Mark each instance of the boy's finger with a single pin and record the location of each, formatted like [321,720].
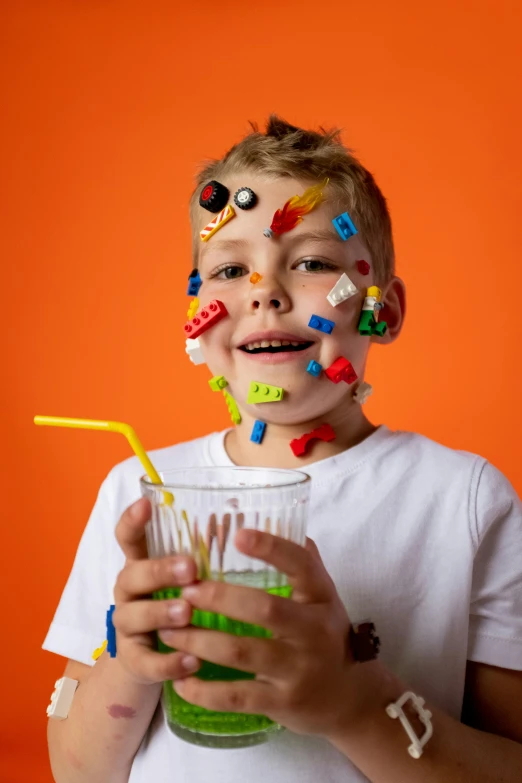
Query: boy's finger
[143,577]
[304,568]
[130,530]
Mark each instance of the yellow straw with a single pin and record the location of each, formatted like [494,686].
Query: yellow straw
[109,426]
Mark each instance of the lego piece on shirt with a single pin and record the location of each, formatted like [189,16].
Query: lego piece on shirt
[214,196]
[300,445]
[314,368]
[344,226]
[219,221]
[263,392]
[255,277]
[207,317]
[61,698]
[232,407]
[111,632]
[342,290]
[193,348]
[363,391]
[99,650]
[195,283]
[321,324]
[341,370]
[218,383]
[258,431]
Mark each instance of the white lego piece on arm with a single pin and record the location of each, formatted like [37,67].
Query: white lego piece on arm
[61,698]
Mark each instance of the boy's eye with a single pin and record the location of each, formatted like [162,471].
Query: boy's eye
[229,272]
[314,265]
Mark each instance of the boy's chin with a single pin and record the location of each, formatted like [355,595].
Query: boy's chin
[291,415]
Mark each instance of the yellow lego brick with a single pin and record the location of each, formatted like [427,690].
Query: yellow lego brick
[218,222]
[96,654]
[263,392]
[193,308]
[232,408]
[218,383]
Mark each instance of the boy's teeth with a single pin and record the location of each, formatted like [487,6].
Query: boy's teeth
[270,344]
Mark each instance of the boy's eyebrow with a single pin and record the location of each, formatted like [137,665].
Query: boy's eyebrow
[319,235]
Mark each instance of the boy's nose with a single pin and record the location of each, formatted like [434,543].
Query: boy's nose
[267,295]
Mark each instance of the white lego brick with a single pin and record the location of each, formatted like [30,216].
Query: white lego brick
[61,698]
[193,348]
[342,290]
[363,392]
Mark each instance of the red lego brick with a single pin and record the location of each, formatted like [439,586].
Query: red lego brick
[300,445]
[208,316]
[341,370]
[363,267]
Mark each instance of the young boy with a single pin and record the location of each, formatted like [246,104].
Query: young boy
[424,541]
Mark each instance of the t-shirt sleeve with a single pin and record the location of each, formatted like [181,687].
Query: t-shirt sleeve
[78,626]
[495,630]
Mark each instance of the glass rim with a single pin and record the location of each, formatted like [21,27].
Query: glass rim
[304,478]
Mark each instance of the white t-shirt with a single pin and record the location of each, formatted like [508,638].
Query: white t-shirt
[424,540]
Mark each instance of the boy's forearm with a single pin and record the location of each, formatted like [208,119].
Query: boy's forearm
[455,753]
[107,721]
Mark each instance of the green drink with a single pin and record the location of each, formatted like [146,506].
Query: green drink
[230,728]
[197,511]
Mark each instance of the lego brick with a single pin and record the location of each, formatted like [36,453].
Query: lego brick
[218,383]
[255,277]
[99,650]
[363,391]
[218,222]
[193,308]
[258,431]
[344,226]
[380,328]
[342,290]
[232,407]
[111,632]
[322,324]
[193,348]
[314,368]
[61,698]
[195,283]
[366,322]
[300,445]
[207,317]
[263,392]
[363,267]
[341,370]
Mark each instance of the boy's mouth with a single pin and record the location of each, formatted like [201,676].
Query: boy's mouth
[275,346]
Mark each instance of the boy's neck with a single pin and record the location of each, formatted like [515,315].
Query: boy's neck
[350,426]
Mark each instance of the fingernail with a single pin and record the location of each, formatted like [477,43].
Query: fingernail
[176,610]
[180,569]
[190,663]
[190,592]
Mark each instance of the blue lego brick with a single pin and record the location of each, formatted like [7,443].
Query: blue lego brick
[111,633]
[344,226]
[195,282]
[314,368]
[258,431]
[322,324]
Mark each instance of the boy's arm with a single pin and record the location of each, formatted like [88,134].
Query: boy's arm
[111,713]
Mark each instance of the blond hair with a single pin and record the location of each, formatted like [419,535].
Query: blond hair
[287,151]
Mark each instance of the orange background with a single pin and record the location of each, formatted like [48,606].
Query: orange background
[107,109]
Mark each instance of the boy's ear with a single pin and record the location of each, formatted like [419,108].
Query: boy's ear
[393,312]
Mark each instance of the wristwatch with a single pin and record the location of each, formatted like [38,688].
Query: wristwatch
[363,641]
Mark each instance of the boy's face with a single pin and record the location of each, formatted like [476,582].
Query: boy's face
[298,270]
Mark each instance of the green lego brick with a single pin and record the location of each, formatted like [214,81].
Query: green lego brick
[263,392]
[380,328]
[218,383]
[232,408]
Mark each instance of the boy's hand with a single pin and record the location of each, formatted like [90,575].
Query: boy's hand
[305,671]
[136,615]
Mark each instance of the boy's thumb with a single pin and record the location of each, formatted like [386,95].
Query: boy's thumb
[130,530]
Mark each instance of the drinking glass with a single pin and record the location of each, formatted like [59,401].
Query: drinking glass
[197,511]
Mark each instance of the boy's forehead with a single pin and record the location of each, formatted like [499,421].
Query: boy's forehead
[272,193]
